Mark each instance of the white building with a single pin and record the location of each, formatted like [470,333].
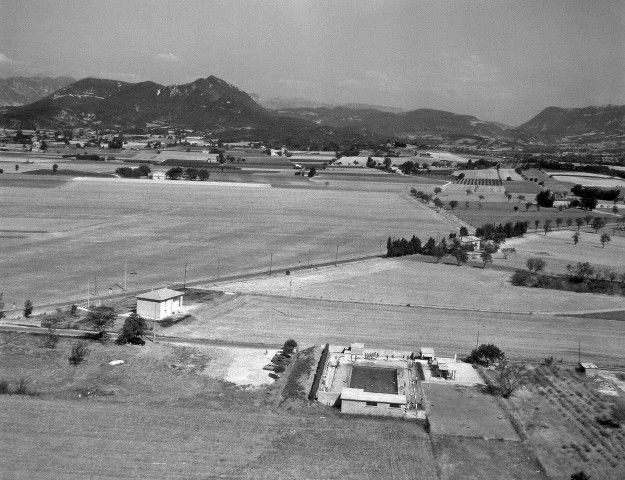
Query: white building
[159,304]
[357,401]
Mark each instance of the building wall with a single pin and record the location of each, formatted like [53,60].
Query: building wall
[361,408]
[148,309]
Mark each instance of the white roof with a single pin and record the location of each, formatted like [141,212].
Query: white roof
[587,365]
[357,345]
[469,238]
[359,395]
[161,294]
[427,351]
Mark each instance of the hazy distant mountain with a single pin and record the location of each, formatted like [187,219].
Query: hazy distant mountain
[208,104]
[589,123]
[22,90]
[409,125]
[287,103]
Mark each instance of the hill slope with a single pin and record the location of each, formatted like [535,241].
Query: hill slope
[23,90]
[589,123]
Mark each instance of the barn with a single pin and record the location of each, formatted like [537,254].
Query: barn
[159,304]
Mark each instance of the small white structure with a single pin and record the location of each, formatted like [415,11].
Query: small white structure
[427,353]
[470,240]
[357,401]
[159,304]
[357,350]
[589,369]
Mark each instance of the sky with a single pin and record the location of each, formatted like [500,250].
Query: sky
[498,60]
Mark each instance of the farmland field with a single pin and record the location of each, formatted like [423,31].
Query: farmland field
[592,181]
[150,420]
[558,411]
[93,227]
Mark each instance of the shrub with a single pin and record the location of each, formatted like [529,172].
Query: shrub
[80,350]
[279,369]
[73,309]
[28,308]
[522,278]
[50,339]
[4,387]
[289,346]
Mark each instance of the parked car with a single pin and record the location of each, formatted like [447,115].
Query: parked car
[275,376]
[270,366]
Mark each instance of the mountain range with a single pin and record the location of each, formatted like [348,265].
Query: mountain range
[22,90]
[216,107]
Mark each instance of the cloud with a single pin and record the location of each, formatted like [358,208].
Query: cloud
[296,84]
[350,83]
[167,57]
[475,69]
[5,59]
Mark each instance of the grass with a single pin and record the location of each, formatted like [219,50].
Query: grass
[68,173]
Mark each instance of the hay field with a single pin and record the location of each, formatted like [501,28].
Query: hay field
[268,320]
[92,228]
[592,181]
[558,249]
[401,281]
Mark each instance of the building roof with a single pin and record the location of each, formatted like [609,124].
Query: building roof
[359,395]
[427,351]
[469,238]
[160,295]
[587,365]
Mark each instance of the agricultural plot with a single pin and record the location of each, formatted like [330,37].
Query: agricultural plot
[215,228]
[592,181]
[498,211]
[558,410]
[558,250]
[383,281]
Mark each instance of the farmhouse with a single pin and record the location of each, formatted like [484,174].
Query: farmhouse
[427,353]
[470,240]
[588,369]
[159,304]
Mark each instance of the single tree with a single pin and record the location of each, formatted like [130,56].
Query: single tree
[28,308]
[536,223]
[598,223]
[605,238]
[569,222]
[134,327]
[437,190]
[192,173]
[459,252]
[463,231]
[55,167]
[579,222]
[312,172]
[614,209]
[547,226]
[516,209]
[535,265]
[486,257]
[559,221]
[527,205]
[17,167]
[453,204]
[575,238]
[587,219]
[509,197]
[203,174]
[466,205]
[486,354]
[469,191]
[438,203]
[481,197]
[80,350]
[174,173]
[438,252]
[102,319]
[509,377]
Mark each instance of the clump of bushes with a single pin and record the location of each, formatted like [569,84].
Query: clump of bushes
[19,388]
[289,346]
[486,354]
[134,327]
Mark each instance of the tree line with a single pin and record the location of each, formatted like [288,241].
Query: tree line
[499,233]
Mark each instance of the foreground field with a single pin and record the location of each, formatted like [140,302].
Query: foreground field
[150,420]
[158,228]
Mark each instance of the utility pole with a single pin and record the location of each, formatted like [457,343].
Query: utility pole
[95,288]
[88,292]
[184,283]
[309,257]
[125,273]
[478,340]
[290,285]
[336,259]
[154,330]
[380,246]
[217,269]
[270,263]
[579,351]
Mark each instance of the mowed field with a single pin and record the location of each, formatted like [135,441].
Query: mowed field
[55,240]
